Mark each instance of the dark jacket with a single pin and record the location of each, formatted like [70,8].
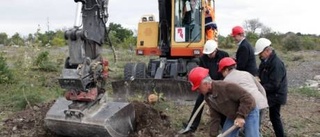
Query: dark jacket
[230,100]
[213,64]
[246,60]
[273,76]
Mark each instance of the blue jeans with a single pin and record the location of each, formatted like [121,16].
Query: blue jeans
[251,127]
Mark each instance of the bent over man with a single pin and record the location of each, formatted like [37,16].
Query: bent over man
[228,99]
[210,60]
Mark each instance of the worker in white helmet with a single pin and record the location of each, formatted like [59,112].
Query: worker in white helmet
[273,76]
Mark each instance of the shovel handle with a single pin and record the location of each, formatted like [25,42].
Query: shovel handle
[195,114]
[228,131]
[192,118]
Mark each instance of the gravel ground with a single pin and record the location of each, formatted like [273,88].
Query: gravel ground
[304,68]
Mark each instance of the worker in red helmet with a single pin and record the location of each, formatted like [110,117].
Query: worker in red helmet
[245,57]
[227,67]
[228,99]
[209,60]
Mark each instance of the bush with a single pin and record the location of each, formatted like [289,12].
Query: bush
[226,43]
[25,96]
[42,62]
[292,42]
[6,75]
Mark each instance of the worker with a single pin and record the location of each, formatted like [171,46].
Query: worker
[210,59]
[245,57]
[210,24]
[273,75]
[229,99]
[227,67]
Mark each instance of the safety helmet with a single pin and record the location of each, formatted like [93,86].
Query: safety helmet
[261,44]
[196,75]
[226,62]
[210,46]
[237,30]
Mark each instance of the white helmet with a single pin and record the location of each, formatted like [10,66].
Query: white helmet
[210,46]
[261,44]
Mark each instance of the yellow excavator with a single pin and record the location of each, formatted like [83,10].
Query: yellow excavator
[177,40]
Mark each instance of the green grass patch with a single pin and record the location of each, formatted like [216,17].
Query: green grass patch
[306,91]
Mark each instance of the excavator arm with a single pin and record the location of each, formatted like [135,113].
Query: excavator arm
[83,111]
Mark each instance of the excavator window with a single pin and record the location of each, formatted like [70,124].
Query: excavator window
[187,20]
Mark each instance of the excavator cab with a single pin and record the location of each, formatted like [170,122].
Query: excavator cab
[177,39]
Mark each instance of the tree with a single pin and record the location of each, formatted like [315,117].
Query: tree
[58,39]
[252,25]
[120,32]
[265,30]
[17,40]
[3,38]
[252,37]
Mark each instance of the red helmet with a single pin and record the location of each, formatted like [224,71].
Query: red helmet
[226,62]
[196,75]
[237,30]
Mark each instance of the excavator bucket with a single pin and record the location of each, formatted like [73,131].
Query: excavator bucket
[104,119]
[175,90]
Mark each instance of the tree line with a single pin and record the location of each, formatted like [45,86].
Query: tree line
[118,35]
[121,37]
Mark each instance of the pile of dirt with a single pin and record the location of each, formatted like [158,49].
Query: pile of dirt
[150,122]
[28,123]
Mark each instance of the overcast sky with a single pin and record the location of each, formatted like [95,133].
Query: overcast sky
[24,16]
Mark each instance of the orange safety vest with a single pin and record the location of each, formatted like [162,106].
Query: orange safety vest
[210,13]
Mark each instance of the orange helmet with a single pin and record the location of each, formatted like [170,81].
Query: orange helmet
[237,30]
[226,62]
[196,75]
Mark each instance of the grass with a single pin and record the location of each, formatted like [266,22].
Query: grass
[306,91]
[31,86]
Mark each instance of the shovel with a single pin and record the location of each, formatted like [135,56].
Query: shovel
[227,132]
[182,131]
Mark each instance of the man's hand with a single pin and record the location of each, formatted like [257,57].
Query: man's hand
[257,78]
[239,122]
